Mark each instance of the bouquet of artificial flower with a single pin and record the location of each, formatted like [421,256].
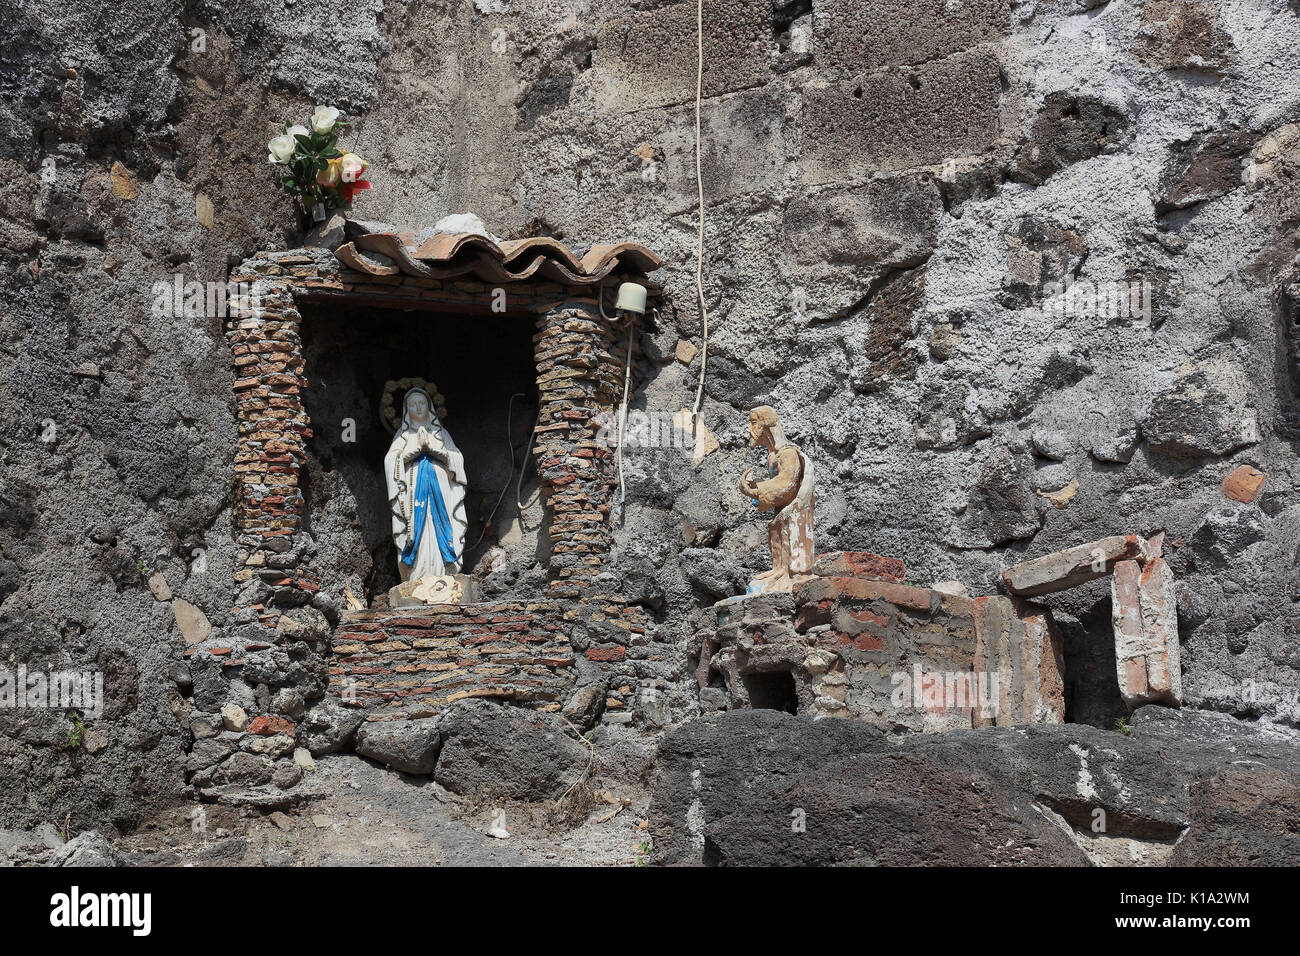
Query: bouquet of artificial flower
[318,176]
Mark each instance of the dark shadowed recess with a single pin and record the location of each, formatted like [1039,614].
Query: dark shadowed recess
[476,362]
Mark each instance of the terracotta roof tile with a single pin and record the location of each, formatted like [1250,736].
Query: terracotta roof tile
[381,250]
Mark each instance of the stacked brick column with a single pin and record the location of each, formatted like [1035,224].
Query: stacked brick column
[254,678]
[1144,613]
[580,368]
[273,432]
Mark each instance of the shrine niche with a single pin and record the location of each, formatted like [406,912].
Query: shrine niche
[430,298]
[361,364]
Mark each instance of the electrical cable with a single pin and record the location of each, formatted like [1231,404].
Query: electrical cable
[622,416]
[506,487]
[630,321]
[699,185]
[519,486]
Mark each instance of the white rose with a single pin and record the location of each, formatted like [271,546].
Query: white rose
[323,120]
[281,149]
[298,131]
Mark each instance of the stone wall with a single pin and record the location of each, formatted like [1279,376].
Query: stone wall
[992,154]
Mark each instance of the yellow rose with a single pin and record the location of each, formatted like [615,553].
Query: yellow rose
[329,176]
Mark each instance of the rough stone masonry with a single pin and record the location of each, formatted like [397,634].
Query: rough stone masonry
[1017,276]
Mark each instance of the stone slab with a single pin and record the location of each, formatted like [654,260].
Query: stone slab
[642,60]
[896,120]
[402,594]
[852,36]
[1071,567]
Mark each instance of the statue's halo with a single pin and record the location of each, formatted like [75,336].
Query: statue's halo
[389,407]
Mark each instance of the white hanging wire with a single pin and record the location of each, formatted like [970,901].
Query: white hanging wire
[627,389]
[622,415]
[699,239]
[506,487]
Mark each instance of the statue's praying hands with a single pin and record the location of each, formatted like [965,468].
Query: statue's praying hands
[425,443]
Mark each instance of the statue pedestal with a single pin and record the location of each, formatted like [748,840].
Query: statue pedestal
[776,584]
[433,590]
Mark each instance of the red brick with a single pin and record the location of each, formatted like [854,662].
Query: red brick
[1020,643]
[867,589]
[1071,567]
[858,564]
[864,616]
[269,726]
[1144,614]
[1243,484]
[863,642]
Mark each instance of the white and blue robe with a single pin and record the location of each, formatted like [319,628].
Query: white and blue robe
[425,474]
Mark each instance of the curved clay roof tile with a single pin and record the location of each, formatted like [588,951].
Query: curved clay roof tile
[544,246]
[442,255]
[629,254]
[391,245]
[446,245]
[375,265]
[490,269]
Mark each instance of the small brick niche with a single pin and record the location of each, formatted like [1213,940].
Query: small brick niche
[855,641]
[399,662]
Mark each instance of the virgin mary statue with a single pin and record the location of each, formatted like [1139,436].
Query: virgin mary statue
[425,473]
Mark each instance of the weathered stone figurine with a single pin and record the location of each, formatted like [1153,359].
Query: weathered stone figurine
[789,489]
[425,475]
